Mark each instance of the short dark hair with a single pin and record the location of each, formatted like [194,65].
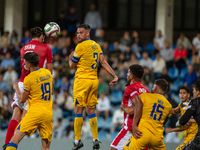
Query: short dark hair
[85,26]
[36,32]
[162,83]
[185,88]
[196,85]
[137,70]
[32,57]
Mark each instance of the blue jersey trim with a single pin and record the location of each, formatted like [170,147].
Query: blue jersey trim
[92,116]
[87,39]
[78,115]
[36,69]
[26,90]
[18,128]
[101,53]
[75,59]
[77,101]
[12,145]
[160,94]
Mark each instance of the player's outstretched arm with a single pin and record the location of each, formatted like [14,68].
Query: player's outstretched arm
[107,67]
[175,111]
[137,115]
[71,63]
[127,109]
[183,128]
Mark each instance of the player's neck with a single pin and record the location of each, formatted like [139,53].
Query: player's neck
[33,69]
[37,39]
[185,100]
[133,81]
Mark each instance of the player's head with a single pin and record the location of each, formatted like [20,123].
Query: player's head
[160,86]
[31,59]
[196,89]
[83,32]
[184,93]
[37,33]
[135,73]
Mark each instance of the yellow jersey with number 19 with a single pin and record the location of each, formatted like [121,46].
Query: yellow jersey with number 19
[39,84]
[86,56]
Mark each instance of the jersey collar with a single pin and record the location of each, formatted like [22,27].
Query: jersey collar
[36,69]
[35,41]
[160,94]
[182,102]
[87,39]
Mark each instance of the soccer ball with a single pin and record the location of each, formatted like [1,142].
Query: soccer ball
[52,29]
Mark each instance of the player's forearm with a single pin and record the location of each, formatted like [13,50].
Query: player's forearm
[175,111]
[127,109]
[19,94]
[71,64]
[137,114]
[180,129]
[191,121]
[50,67]
[107,67]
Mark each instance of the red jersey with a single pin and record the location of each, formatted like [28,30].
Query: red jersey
[130,91]
[43,50]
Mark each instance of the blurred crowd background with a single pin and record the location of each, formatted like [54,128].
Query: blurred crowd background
[178,63]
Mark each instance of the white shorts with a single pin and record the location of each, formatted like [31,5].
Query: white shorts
[121,139]
[16,99]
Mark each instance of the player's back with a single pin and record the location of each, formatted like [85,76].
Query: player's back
[87,53]
[39,84]
[156,108]
[43,50]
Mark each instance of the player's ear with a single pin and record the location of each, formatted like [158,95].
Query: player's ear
[188,95]
[198,93]
[154,88]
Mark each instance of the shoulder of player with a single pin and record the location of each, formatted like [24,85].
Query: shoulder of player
[29,76]
[195,101]
[47,71]
[44,45]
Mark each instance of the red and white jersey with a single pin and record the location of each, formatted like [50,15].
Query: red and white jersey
[131,90]
[43,50]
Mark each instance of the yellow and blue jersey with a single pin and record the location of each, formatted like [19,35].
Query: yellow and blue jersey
[193,127]
[86,56]
[156,108]
[39,84]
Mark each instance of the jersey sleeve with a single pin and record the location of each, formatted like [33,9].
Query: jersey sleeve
[26,84]
[49,55]
[170,109]
[77,54]
[100,50]
[189,112]
[132,95]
